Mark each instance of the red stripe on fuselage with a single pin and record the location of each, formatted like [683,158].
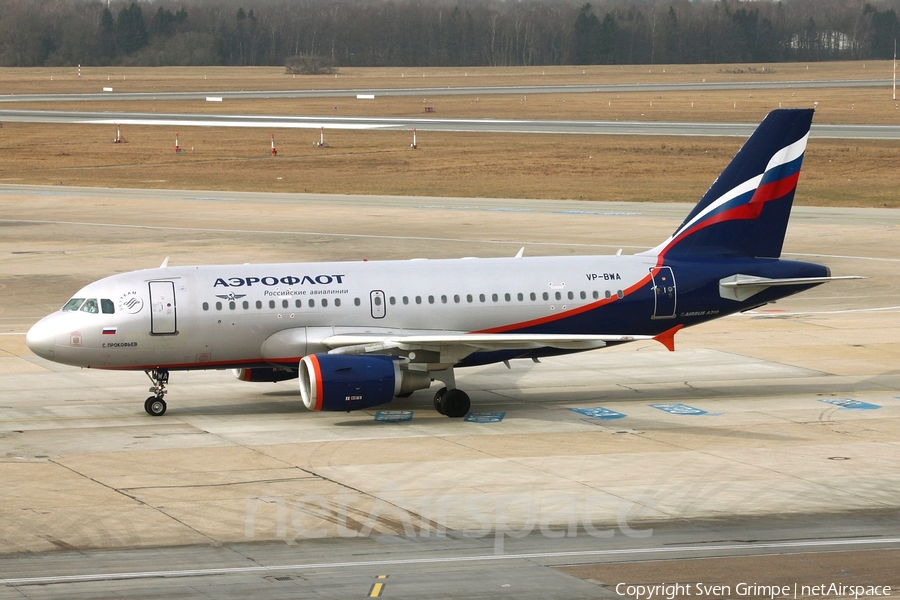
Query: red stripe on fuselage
[563,315]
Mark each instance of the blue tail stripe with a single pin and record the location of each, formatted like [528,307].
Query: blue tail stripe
[757,230]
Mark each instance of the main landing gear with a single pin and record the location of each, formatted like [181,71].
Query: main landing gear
[155,405]
[452,403]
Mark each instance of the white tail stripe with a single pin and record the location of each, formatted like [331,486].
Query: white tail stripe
[785,155]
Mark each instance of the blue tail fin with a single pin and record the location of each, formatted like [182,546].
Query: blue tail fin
[745,212]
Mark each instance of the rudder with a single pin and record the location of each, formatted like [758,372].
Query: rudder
[746,210]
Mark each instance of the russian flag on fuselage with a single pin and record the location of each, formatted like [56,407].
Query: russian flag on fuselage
[746,210]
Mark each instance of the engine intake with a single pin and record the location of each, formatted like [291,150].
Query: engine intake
[340,382]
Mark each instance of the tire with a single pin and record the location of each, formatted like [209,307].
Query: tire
[437,399]
[155,407]
[455,404]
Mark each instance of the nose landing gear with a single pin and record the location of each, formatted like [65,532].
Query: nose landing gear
[155,405]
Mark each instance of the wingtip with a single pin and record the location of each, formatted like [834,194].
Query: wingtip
[667,337]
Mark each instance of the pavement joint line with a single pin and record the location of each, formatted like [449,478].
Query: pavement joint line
[22,581]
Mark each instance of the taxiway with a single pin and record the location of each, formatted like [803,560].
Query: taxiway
[791,446]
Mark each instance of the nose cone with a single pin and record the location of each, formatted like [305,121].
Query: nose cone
[41,339]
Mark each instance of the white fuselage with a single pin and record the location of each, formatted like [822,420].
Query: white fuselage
[221,316]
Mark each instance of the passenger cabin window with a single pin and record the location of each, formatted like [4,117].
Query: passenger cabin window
[206,306]
[337,301]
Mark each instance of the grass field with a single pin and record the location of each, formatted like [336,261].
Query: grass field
[141,79]
[851,173]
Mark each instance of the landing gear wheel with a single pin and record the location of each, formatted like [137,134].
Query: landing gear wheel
[437,399]
[455,404]
[155,407]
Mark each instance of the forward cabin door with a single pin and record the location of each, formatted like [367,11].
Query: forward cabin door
[162,308]
[665,294]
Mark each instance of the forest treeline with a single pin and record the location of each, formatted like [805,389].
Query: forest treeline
[420,33]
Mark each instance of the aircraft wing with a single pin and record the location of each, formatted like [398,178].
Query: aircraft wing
[450,348]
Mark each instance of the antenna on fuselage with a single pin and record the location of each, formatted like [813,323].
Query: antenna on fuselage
[521,252]
[165,263]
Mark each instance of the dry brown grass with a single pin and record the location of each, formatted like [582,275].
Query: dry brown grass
[141,79]
[858,173]
[446,164]
[835,105]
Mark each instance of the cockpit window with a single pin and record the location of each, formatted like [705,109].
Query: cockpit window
[90,306]
[73,304]
[107,307]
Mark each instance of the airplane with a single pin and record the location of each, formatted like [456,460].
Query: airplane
[358,334]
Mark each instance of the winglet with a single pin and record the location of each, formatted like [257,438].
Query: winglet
[667,338]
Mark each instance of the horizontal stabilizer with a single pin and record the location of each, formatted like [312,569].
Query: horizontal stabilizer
[741,287]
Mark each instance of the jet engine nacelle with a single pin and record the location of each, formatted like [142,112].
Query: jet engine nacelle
[264,375]
[340,382]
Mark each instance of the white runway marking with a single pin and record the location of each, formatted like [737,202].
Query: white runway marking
[392,237]
[809,544]
[225,123]
[317,233]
